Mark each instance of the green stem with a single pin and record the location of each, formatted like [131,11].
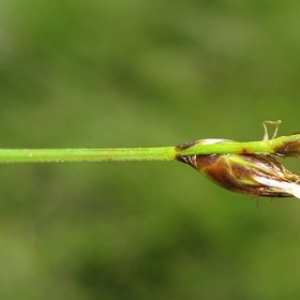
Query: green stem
[278,145]
[228,146]
[86,155]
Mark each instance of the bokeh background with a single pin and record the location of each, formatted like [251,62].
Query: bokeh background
[144,73]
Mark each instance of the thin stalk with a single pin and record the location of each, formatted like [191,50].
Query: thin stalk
[276,145]
[86,155]
[284,145]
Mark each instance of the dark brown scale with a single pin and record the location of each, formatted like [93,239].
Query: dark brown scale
[289,149]
[184,146]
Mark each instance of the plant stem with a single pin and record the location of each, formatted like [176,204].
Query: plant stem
[266,146]
[86,155]
[284,145]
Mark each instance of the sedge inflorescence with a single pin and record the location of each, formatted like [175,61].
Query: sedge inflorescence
[249,173]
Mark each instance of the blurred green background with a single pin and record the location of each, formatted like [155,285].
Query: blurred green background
[144,73]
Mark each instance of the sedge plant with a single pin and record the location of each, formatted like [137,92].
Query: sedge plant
[243,167]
